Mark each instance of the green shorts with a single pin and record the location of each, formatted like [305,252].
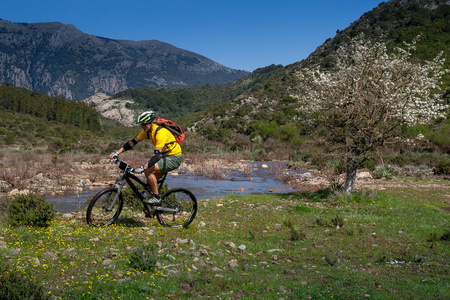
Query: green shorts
[172,163]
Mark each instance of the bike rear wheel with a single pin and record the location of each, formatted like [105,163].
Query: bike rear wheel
[105,207]
[183,206]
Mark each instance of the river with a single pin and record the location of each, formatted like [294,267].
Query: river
[260,181]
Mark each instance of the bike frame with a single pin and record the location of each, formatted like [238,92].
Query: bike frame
[128,178]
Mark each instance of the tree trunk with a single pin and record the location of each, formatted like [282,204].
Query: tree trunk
[352,167]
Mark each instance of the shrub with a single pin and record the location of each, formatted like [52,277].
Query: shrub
[132,201]
[332,258]
[399,160]
[9,139]
[143,258]
[30,210]
[443,167]
[387,172]
[13,285]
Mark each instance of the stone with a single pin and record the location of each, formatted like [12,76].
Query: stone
[233,263]
[364,174]
[107,262]
[14,251]
[49,255]
[289,272]
[94,240]
[274,250]
[201,224]
[180,241]
[35,261]
[14,192]
[231,245]
[242,248]
[264,166]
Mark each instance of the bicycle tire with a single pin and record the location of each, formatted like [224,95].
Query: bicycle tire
[97,214]
[182,199]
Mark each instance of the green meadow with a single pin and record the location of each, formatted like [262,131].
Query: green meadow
[389,244]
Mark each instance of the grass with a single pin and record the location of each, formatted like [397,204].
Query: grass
[389,244]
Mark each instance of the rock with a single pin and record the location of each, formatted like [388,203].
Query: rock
[70,250]
[2,247]
[49,255]
[277,226]
[306,174]
[264,166]
[35,261]
[361,175]
[231,245]
[215,269]
[274,250]
[94,240]
[233,263]
[2,243]
[201,224]
[242,248]
[14,192]
[107,262]
[14,251]
[67,216]
[219,205]
[289,272]
[180,241]
[241,189]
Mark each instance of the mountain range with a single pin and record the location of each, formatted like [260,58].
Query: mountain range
[60,60]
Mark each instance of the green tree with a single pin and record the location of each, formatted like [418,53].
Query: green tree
[370,95]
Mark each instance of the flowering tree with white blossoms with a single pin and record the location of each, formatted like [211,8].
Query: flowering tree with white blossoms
[369,95]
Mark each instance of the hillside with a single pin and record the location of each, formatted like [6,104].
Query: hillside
[34,120]
[174,103]
[268,117]
[59,59]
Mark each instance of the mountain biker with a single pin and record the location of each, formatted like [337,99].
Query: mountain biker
[167,155]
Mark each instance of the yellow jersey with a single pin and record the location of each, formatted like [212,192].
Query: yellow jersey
[161,138]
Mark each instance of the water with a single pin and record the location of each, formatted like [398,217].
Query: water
[235,183]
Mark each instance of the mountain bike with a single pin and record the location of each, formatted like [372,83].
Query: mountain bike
[177,208]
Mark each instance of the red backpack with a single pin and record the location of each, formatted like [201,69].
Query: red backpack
[172,127]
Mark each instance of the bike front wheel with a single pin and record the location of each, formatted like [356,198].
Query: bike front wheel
[178,208]
[105,207]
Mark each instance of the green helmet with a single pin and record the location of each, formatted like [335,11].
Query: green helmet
[146,117]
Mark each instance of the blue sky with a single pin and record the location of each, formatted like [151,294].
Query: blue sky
[240,34]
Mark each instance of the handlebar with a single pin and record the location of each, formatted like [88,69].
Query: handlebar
[122,165]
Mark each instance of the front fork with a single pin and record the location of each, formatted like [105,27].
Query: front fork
[119,184]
